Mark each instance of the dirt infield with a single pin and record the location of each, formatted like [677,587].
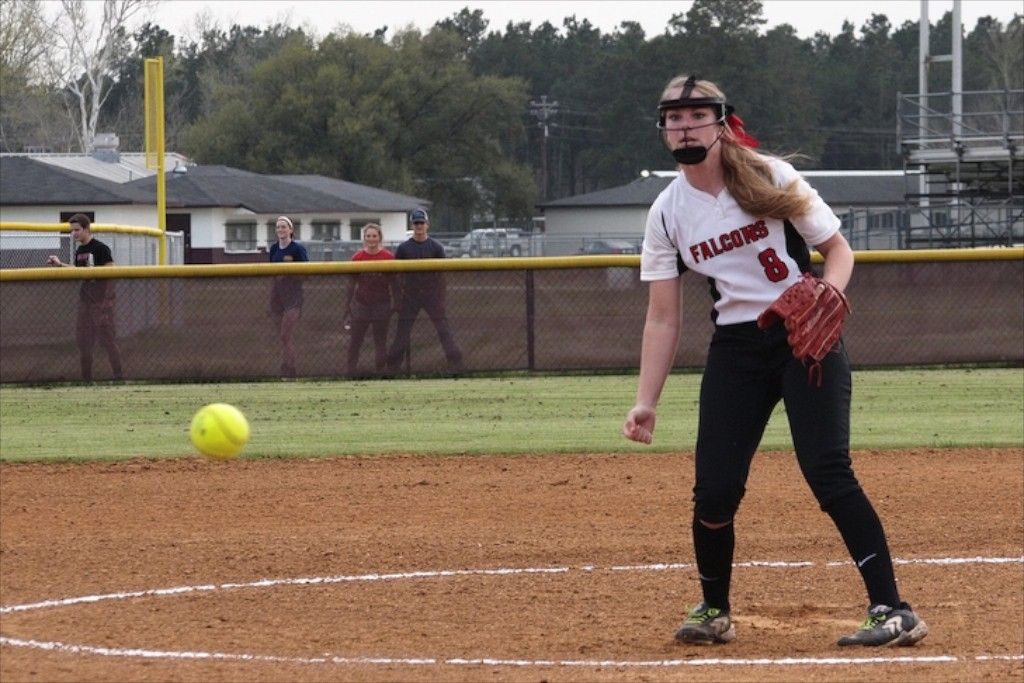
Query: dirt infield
[527,568]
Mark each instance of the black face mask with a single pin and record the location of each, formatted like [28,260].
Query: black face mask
[689,156]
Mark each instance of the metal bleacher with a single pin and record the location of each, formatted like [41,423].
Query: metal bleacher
[964,160]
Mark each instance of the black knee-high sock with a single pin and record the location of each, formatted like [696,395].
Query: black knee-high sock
[864,536]
[714,549]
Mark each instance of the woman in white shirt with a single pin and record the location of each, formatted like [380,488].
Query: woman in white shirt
[745,220]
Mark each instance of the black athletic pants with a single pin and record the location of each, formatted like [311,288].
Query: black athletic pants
[748,372]
[408,310]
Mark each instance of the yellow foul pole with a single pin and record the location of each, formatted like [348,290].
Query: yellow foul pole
[154,106]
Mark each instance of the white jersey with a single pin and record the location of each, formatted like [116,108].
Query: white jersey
[750,261]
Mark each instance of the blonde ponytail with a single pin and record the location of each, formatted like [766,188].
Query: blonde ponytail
[748,177]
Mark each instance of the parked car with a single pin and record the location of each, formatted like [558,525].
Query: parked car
[492,242]
[610,247]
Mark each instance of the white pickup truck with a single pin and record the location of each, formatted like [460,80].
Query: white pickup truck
[492,242]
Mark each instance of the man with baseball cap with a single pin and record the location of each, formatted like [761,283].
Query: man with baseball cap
[422,290]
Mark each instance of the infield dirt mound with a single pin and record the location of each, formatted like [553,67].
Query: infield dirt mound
[90,529]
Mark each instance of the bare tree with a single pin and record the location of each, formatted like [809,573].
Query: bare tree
[23,30]
[30,115]
[84,56]
[1005,53]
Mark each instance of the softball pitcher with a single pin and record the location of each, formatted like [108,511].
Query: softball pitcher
[744,220]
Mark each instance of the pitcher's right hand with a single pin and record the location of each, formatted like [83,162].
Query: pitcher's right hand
[639,425]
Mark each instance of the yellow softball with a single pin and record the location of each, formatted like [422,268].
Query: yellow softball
[220,431]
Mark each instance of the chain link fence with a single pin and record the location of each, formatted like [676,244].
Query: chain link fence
[487,244]
[24,249]
[213,322]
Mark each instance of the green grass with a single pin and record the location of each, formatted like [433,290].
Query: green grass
[579,414]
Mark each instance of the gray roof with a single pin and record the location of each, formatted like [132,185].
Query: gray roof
[640,192]
[860,189]
[223,186]
[27,182]
[370,198]
[129,165]
[206,186]
[841,188]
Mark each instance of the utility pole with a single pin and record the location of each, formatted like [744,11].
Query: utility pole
[543,110]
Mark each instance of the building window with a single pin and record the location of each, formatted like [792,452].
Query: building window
[240,236]
[272,231]
[65,216]
[848,221]
[357,225]
[882,220]
[326,230]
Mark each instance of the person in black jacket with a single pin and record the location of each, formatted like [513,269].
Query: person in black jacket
[422,290]
[95,298]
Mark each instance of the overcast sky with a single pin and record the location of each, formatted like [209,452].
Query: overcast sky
[807,16]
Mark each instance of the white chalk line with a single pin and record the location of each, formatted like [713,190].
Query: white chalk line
[448,573]
[461,661]
[266,583]
[489,661]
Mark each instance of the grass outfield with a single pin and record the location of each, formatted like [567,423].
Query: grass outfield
[891,409]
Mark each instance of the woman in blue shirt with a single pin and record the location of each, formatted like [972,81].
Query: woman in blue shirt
[286,293]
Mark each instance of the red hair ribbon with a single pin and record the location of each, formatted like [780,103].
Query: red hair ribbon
[742,136]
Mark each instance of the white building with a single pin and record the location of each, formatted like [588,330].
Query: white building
[226,214]
[869,203]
